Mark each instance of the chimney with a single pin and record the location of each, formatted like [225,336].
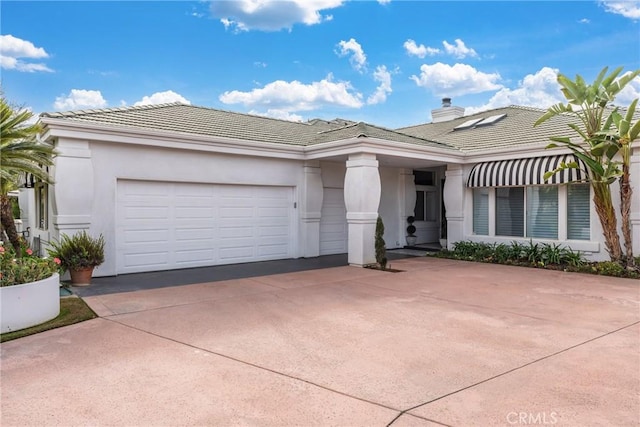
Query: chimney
[447,112]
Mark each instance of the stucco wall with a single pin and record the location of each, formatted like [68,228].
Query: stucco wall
[111,162]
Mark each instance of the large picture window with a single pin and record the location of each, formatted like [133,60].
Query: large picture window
[533,211]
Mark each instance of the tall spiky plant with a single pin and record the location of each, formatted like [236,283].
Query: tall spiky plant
[20,152]
[591,104]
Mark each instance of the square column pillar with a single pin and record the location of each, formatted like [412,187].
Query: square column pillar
[362,198]
[311,204]
[453,195]
[73,189]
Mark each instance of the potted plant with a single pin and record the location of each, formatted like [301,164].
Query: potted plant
[29,288]
[79,254]
[411,238]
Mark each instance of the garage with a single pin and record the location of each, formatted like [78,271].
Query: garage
[334,230]
[171,225]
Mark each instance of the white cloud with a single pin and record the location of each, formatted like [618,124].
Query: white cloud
[584,21]
[297,96]
[271,15]
[459,50]
[459,79]
[421,50]
[384,1]
[79,99]
[13,48]
[539,90]
[628,9]
[358,59]
[278,114]
[165,97]
[630,92]
[382,76]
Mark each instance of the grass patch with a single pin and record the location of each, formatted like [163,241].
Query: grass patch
[72,310]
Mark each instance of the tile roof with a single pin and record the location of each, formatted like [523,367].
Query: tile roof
[188,119]
[515,129]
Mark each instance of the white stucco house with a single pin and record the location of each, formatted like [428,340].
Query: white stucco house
[175,186]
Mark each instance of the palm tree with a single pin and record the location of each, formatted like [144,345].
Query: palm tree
[20,152]
[591,104]
[626,132]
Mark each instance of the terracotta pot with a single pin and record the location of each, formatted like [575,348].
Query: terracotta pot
[81,277]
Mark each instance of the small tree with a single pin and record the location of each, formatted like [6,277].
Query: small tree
[20,152]
[599,128]
[381,250]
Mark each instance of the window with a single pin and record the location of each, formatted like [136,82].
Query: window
[534,211]
[42,205]
[481,211]
[578,212]
[426,205]
[424,177]
[510,211]
[542,212]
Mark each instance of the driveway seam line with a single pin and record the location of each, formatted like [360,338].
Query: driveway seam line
[256,366]
[517,368]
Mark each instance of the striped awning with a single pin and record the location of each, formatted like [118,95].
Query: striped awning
[520,172]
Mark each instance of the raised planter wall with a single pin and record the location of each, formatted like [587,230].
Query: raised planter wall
[29,304]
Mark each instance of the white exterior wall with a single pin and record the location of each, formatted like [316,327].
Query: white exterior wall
[109,162]
[390,209]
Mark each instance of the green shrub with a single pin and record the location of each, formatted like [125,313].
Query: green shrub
[381,250]
[609,268]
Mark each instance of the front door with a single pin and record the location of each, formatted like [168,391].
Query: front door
[427,214]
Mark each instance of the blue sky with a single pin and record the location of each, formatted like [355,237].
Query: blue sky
[384,62]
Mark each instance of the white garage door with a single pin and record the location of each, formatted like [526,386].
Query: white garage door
[163,225]
[334,231]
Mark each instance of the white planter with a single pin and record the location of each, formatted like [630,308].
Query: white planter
[29,304]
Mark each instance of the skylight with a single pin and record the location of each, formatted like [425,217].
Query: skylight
[467,124]
[491,120]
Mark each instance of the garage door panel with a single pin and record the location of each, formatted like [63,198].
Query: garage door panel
[237,254]
[267,252]
[157,259]
[236,212]
[145,236]
[195,234]
[194,256]
[163,225]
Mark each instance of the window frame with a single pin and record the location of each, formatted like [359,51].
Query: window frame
[562,213]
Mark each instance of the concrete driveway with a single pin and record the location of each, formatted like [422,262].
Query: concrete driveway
[442,343]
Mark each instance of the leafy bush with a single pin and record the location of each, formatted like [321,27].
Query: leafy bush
[381,250]
[26,268]
[536,255]
[78,251]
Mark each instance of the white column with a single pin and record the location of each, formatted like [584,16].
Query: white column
[407,201]
[635,201]
[311,205]
[362,198]
[73,188]
[454,191]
